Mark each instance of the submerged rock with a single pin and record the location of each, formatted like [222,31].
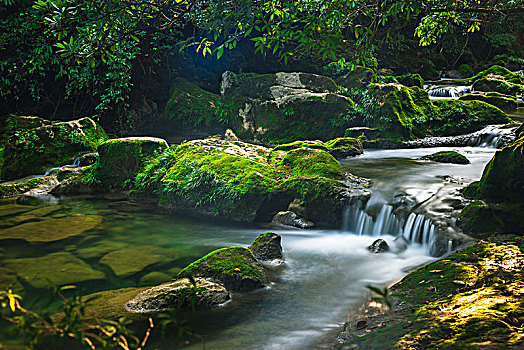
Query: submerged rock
[52,229]
[153,278]
[60,268]
[447,157]
[8,280]
[129,261]
[33,151]
[179,294]
[235,267]
[267,246]
[379,246]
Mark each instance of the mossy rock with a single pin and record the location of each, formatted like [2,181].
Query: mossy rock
[362,131]
[447,157]
[121,159]
[33,151]
[492,84]
[519,132]
[284,107]
[193,111]
[504,102]
[478,217]
[17,124]
[235,267]
[51,229]
[130,261]
[60,268]
[245,182]
[411,80]
[401,106]
[358,78]
[267,246]
[301,144]
[502,179]
[344,147]
[458,117]
[497,71]
[180,294]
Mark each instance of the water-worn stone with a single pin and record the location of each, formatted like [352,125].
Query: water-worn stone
[30,186]
[235,267]
[267,246]
[379,246]
[52,229]
[60,268]
[447,157]
[179,294]
[289,218]
[129,261]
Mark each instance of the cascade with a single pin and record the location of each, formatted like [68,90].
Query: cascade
[75,164]
[439,91]
[415,229]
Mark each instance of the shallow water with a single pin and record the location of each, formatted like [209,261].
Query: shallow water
[324,278]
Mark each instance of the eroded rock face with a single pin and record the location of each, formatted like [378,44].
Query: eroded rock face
[33,151]
[179,294]
[284,107]
[234,267]
[267,246]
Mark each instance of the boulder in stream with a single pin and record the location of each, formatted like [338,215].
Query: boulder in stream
[379,246]
[447,157]
[235,267]
[267,246]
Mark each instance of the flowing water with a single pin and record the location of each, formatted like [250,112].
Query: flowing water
[122,244]
[446,92]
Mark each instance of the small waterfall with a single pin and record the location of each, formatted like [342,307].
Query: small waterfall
[442,91]
[491,136]
[75,164]
[415,229]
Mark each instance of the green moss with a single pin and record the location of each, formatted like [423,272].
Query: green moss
[235,267]
[447,157]
[489,84]
[301,144]
[411,80]
[121,159]
[479,217]
[34,151]
[504,102]
[18,188]
[496,70]
[237,180]
[344,147]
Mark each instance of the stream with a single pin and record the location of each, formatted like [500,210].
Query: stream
[322,283]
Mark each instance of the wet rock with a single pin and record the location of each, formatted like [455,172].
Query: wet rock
[267,246]
[344,147]
[153,278]
[52,229]
[179,294]
[289,218]
[447,157]
[98,249]
[299,207]
[235,267]
[109,304]
[400,244]
[378,246]
[129,261]
[60,268]
[31,186]
[87,159]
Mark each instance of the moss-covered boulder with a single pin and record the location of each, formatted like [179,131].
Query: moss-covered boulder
[478,218]
[344,147]
[235,267]
[400,106]
[411,80]
[497,71]
[341,147]
[267,246]
[33,151]
[457,117]
[503,178]
[193,111]
[465,69]
[17,124]
[504,102]
[60,268]
[40,184]
[447,157]
[284,107]
[494,84]
[246,182]
[181,294]
[121,159]
[358,78]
